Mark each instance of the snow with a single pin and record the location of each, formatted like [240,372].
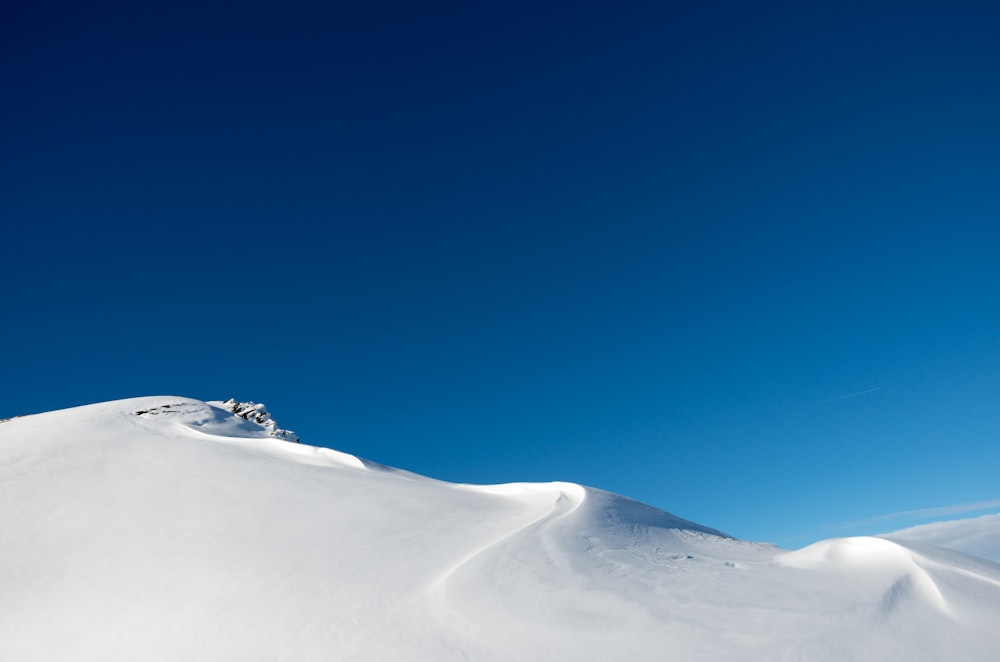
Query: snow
[979,536]
[199,535]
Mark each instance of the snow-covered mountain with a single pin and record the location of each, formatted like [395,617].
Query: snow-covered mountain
[166,528]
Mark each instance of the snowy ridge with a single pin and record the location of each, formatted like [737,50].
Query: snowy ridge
[258,413]
[220,416]
[165,528]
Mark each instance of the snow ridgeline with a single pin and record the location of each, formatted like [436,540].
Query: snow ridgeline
[257,412]
[167,528]
[201,415]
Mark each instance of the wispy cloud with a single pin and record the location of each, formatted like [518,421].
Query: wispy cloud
[929,513]
[851,395]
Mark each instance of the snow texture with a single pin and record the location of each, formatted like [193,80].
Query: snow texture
[169,529]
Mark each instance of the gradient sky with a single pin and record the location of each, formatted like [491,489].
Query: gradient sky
[736,260]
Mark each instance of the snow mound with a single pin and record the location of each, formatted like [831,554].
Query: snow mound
[168,528]
[880,562]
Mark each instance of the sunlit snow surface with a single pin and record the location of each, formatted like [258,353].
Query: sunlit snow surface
[196,535]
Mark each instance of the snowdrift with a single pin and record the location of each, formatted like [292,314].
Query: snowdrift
[166,528]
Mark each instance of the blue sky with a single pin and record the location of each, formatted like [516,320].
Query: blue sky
[737,261]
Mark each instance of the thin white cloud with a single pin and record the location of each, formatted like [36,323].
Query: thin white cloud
[975,535]
[851,395]
[928,513]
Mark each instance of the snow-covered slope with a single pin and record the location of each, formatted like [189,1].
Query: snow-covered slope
[129,533]
[971,535]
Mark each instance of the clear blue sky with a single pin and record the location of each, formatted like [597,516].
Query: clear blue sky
[736,260]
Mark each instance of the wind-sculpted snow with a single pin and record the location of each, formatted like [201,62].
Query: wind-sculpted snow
[167,528]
